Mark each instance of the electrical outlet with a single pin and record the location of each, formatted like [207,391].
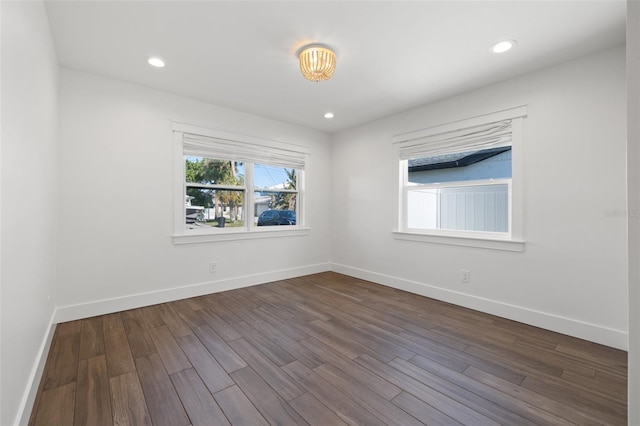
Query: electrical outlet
[212,267]
[465,276]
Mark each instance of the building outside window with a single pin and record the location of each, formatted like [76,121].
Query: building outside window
[465,191]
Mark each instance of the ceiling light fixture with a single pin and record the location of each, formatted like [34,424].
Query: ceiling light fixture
[328,115]
[503,46]
[317,62]
[156,62]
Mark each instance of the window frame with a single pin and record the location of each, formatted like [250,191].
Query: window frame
[181,235]
[513,240]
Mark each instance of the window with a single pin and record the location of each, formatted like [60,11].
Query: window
[462,181]
[215,193]
[235,187]
[275,195]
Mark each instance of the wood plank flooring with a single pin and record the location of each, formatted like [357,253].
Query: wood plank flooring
[324,349]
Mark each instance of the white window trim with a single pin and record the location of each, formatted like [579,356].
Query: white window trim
[490,241]
[510,241]
[233,235]
[183,236]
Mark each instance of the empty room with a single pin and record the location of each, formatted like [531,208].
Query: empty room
[319,213]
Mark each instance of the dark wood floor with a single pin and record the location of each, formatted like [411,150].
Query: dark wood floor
[324,349]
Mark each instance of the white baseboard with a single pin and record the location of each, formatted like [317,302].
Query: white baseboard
[583,330]
[592,332]
[107,306]
[29,397]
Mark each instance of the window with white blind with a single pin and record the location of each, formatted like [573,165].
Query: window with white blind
[231,186]
[460,182]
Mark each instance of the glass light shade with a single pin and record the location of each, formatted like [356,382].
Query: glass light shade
[317,63]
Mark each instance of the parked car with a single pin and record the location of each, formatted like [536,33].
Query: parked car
[277,217]
[193,213]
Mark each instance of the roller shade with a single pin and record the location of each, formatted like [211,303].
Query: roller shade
[475,138]
[224,149]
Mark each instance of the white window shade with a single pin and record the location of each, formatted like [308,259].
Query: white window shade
[478,133]
[475,138]
[210,147]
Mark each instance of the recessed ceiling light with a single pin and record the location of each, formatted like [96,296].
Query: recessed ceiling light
[156,62]
[328,115]
[503,46]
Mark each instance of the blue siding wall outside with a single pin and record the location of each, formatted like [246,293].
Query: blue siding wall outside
[496,167]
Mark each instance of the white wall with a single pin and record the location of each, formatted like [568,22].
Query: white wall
[116,201]
[29,117]
[572,276]
[633,188]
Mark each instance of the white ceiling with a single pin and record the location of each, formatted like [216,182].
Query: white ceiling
[392,55]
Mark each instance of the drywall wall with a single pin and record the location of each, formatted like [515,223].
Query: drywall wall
[572,275]
[29,201]
[117,201]
[633,189]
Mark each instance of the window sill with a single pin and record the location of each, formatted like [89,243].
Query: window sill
[465,241]
[207,237]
